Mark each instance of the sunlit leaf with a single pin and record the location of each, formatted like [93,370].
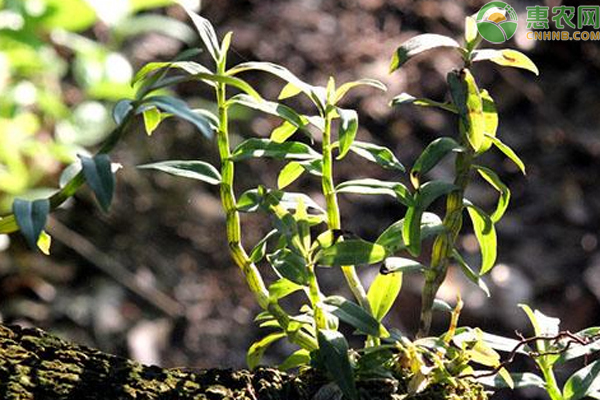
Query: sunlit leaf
[485,232]
[369,186]
[180,109]
[347,130]
[193,169]
[411,230]
[520,380]
[346,87]
[493,179]
[405,98]
[583,382]
[207,34]
[508,152]
[289,90]
[152,118]
[399,265]
[383,293]
[471,33]
[44,242]
[272,108]
[294,360]
[292,171]
[490,119]
[256,148]
[31,218]
[467,99]
[191,67]
[282,288]
[283,132]
[419,44]
[258,348]
[351,252]
[100,178]
[378,154]
[506,58]
[392,239]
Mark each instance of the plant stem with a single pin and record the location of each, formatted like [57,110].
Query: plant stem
[234,236]
[551,385]
[333,213]
[445,241]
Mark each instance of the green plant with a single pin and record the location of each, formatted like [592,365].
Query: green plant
[306,235]
[59,84]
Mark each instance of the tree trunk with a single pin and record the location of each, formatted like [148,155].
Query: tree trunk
[37,365]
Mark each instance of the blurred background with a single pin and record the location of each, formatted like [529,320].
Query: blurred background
[153,280]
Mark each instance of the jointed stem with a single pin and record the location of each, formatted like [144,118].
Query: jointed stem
[445,241]
[333,214]
[239,255]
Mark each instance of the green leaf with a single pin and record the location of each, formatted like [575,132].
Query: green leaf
[485,232]
[282,288]
[191,67]
[471,33]
[207,34]
[260,249]
[290,266]
[378,154]
[392,239]
[576,350]
[506,58]
[351,252]
[59,14]
[31,218]
[490,119]
[508,152]
[493,179]
[120,111]
[297,359]
[520,380]
[343,89]
[411,230]
[251,200]
[283,132]
[256,148]
[431,191]
[419,44]
[400,265]
[467,99]
[289,174]
[289,90]
[152,118]
[334,349]
[231,81]
[431,156]
[283,73]
[370,186]
[347,130]
[383,293]
[44,242]
[354,315]
[405,98]
[258,348]
[192,169]
[100,178]
[180,109]
[583,382]
[469,273]
[272,108]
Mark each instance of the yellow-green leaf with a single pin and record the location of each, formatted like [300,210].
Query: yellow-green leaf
[383,293]
[506,58]
[44,242]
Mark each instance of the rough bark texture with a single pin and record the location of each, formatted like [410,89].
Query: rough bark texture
[37,365]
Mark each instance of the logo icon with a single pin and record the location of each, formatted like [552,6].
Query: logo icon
[497,22]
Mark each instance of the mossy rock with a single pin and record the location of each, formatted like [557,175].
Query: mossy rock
[40,366]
